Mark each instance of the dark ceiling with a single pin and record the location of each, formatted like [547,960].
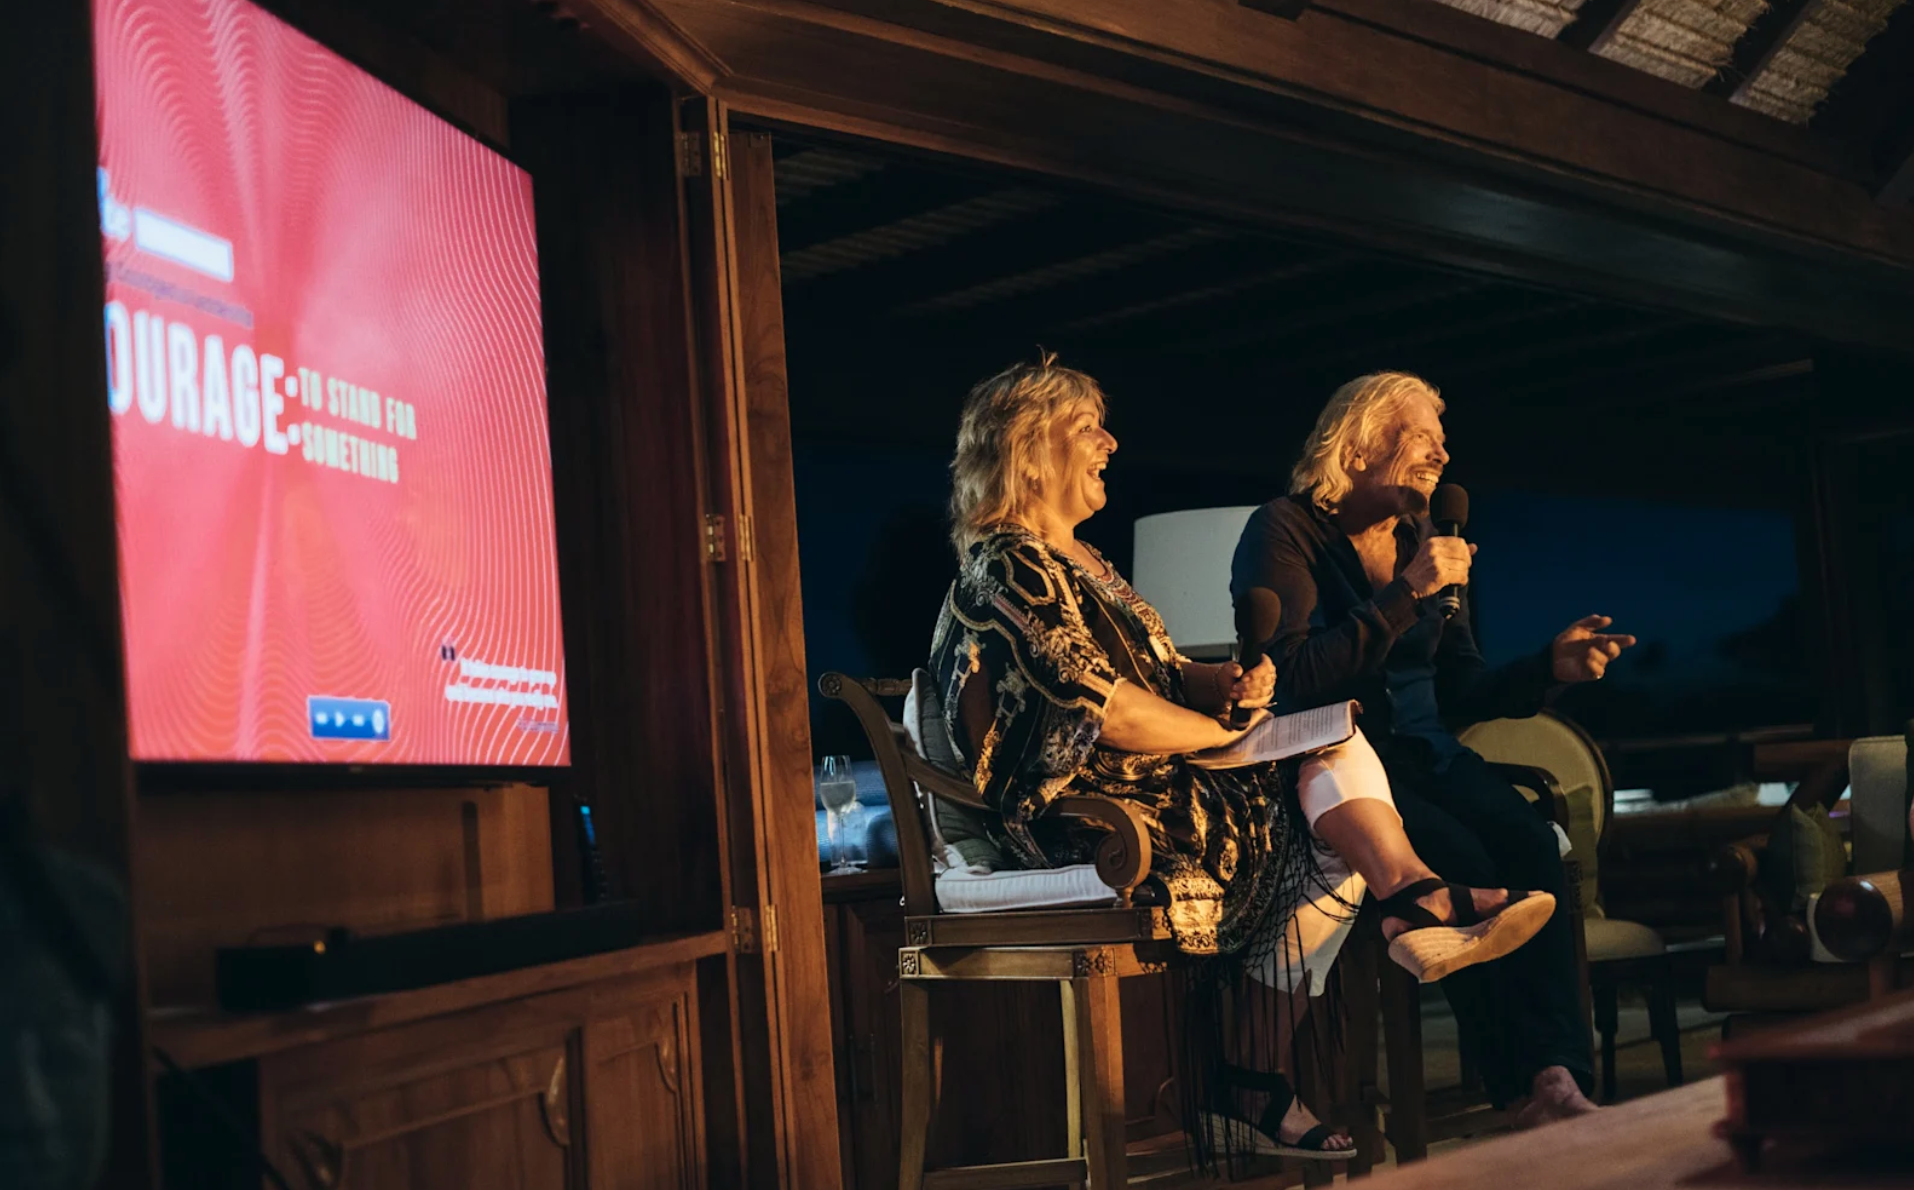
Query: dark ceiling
[907,280]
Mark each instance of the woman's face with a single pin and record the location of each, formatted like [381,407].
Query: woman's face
[1079,450]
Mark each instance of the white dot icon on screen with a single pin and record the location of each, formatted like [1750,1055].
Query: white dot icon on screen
[292,386]
[321,718]
[378,721]
[292,435]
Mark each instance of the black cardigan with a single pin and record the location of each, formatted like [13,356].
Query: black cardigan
[1338,636]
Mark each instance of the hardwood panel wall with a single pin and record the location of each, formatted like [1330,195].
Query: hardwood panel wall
[627,488]
[227,868]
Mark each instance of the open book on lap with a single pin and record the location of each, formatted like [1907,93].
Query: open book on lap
[1281,736]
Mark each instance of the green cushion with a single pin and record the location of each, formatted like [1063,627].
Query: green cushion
[1805,855]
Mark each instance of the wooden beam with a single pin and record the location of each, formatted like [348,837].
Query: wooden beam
[1289,10]
[1044,237]
[1758,44]
[889,195]
[1596,23]
[1448,156]
[1897,177]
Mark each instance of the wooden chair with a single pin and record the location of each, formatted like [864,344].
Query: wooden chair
[1083,951]
[1372,983]
[1615,952]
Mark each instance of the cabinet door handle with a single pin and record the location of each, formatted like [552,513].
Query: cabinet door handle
[321,1159]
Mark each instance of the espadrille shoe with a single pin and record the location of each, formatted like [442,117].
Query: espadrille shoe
[1231,1134]
[1432,948]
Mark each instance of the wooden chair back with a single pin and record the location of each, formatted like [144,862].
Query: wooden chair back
[1554,742]
[1122,858]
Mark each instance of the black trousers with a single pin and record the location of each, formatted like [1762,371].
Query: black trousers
[1522,1013]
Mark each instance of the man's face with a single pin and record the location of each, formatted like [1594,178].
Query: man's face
[1412,457]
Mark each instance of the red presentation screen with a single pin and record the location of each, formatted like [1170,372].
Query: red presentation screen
[327,385]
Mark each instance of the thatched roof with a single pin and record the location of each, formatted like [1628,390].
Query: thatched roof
[1693,42]
[1683,41]
[1546,17]
[1813,59]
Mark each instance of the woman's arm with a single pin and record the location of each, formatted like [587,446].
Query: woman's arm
[1138,721]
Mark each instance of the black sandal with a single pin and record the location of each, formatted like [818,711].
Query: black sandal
[1432,948]
[1228,1133]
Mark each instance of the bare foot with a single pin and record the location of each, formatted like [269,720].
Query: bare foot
[1557,1097]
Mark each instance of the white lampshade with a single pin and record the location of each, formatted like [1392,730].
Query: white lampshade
[1182,568]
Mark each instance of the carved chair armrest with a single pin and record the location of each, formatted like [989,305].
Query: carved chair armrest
[1862,918]
[1123,857]
[1732,870]
[1550,801]
[1733,867]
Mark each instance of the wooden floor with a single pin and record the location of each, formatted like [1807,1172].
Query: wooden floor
[1638,1071]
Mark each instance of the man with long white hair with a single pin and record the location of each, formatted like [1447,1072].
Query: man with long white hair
[1353,556]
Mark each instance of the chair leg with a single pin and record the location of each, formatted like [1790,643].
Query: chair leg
[1314,1089]
[1663,1021]
[1607,1020]
[1356,1088]
[1408,1123]
[1099,1037]
[1072,1073]
[913,1002]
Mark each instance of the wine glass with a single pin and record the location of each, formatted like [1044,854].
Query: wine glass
[837,789]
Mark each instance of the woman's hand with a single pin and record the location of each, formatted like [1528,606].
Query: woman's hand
[1252,689]
[1439,562]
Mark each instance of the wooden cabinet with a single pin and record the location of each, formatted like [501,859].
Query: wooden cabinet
[863,927]
[437,1104]
[641,1079]
[576,1075]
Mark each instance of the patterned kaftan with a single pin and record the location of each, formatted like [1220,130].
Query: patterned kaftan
[1026,655]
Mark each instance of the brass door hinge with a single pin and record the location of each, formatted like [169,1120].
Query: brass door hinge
[752,934]
[714,537]
[691,155]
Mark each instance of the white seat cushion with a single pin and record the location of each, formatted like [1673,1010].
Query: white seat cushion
[961,890]
[1610,939]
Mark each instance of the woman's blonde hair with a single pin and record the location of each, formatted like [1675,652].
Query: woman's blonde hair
[1351,424]
[1003,449]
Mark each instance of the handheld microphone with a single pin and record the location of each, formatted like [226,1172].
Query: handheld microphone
[1258,614]
[1449,509]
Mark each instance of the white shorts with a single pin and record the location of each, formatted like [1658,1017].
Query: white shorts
[1314,931]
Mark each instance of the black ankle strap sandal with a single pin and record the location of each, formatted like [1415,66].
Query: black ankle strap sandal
[1265,1137]
[1432,948]
[1402,904]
